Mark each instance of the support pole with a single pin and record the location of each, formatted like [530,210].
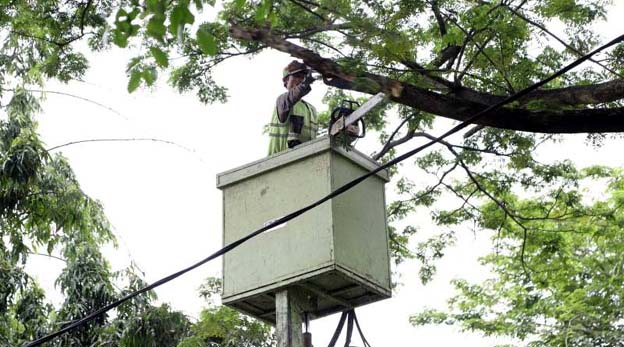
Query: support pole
[288,319]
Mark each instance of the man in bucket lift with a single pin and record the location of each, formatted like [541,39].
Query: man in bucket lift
[294,121]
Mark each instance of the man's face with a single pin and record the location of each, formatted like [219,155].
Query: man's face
[294,80]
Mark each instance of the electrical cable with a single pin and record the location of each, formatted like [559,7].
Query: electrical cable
[357,325]
[334,339]
[331,195]
[351,318]
[349,328]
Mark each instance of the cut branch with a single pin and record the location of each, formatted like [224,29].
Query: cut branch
[457,108]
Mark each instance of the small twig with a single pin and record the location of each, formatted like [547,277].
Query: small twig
[565,44]
[325,44]
[322,7]
[461,197]
[481,50]
[49,256]
[305,8]
[389,144]
[60,44]
[316,30]
[501,205]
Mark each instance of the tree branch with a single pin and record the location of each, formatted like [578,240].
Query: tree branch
[49,256]
[501,205]
[565,44]
[542,121]
[305,8]
[481,50]
[391,144]
[316,30]
[83,16]
[436,12]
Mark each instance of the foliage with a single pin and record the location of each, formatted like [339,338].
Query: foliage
[555,269]
[43,207]
[220,326]
[557,283]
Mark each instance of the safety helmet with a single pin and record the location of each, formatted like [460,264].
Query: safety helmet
[292,68]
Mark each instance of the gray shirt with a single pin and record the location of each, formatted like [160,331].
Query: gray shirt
[286,101]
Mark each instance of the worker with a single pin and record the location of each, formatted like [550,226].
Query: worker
[294,121]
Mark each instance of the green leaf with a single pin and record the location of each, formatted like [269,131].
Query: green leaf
[263,10]
[133,62]
[199,5]
[135,81]
[206,41]
[239,4]
[161,57]
[150,75]
[180,16]
[121,13]
[157,7]
[156,28]
[119,38]
[133,14]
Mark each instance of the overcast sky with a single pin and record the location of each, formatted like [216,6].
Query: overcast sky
[165,209]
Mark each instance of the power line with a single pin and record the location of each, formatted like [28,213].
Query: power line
[331,195]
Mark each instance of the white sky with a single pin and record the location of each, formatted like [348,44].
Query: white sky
[164,206]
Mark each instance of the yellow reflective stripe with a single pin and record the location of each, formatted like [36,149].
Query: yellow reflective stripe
[312,126]
[279,125]
[278,135]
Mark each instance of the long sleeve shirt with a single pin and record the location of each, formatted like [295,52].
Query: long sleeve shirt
[285,102]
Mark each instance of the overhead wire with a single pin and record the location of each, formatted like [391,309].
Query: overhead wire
[329,196]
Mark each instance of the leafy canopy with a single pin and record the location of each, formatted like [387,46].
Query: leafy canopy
[555,269]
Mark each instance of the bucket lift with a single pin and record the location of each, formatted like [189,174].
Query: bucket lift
[333,258]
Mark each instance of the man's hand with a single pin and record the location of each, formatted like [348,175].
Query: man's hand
[309,79]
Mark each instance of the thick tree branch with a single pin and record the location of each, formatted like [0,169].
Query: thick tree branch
[544,121]
[569,96]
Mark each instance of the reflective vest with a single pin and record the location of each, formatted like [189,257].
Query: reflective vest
[280,133]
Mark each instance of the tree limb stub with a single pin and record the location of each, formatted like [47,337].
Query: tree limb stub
[457,108]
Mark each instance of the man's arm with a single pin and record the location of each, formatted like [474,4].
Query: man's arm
[286,101]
